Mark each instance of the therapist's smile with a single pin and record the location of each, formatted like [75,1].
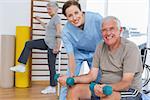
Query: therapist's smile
[75,16]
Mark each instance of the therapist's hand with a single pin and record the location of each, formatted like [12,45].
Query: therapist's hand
[72,74]
[62,80]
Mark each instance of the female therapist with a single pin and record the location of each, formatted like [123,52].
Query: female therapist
[80,36]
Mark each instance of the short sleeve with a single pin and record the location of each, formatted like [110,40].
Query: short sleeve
[57,20]
[132,61]
[66,42]
[96,57]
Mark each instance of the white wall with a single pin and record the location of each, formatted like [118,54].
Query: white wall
[83,4]
[14,13]
[96,6]
[17,13]
[148,29]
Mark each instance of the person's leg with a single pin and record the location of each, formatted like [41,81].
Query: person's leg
[36,44]
[79,91]
[63,93]
[94,97]
[113,96]
[138,97]
[131,94]
[29,45]
[63,90]
[51,64]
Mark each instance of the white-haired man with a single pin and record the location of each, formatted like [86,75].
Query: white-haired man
[121,67]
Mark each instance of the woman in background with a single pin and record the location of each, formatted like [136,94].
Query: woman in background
[51,43]
[80,36]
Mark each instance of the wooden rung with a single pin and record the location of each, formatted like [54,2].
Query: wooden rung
[41,0]
[39,11]
[38,34]
[36,23]
[49,0]
[39,29]
[46,64]
[46,70]
[39,6]
[42,58]
[44,53]
[42,12]
[39,52]
[44,17]
[43,6]
[39,58]
[40,75]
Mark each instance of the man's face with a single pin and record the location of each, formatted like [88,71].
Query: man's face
[110,32]
[74,15]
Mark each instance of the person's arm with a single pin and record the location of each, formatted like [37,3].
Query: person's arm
[132,64]
[67,42]
[39,20]
[71,64]
[117,87]
[124,83]
[91,76]
[87,78]
[58,38]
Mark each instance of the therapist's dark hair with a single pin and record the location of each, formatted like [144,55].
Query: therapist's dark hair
[68,4]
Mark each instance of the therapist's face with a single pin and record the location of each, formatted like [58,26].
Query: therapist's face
[75,15]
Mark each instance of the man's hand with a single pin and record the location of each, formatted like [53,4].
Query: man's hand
[62,80]
[98,89]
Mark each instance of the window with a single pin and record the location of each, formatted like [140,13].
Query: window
[132,13]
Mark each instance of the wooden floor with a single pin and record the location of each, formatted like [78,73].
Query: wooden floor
[32,93]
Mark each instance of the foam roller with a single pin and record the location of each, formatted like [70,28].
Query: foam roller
[7,53]
[22,35]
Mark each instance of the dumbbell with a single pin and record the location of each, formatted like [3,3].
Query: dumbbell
[107,90]
[69,81]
